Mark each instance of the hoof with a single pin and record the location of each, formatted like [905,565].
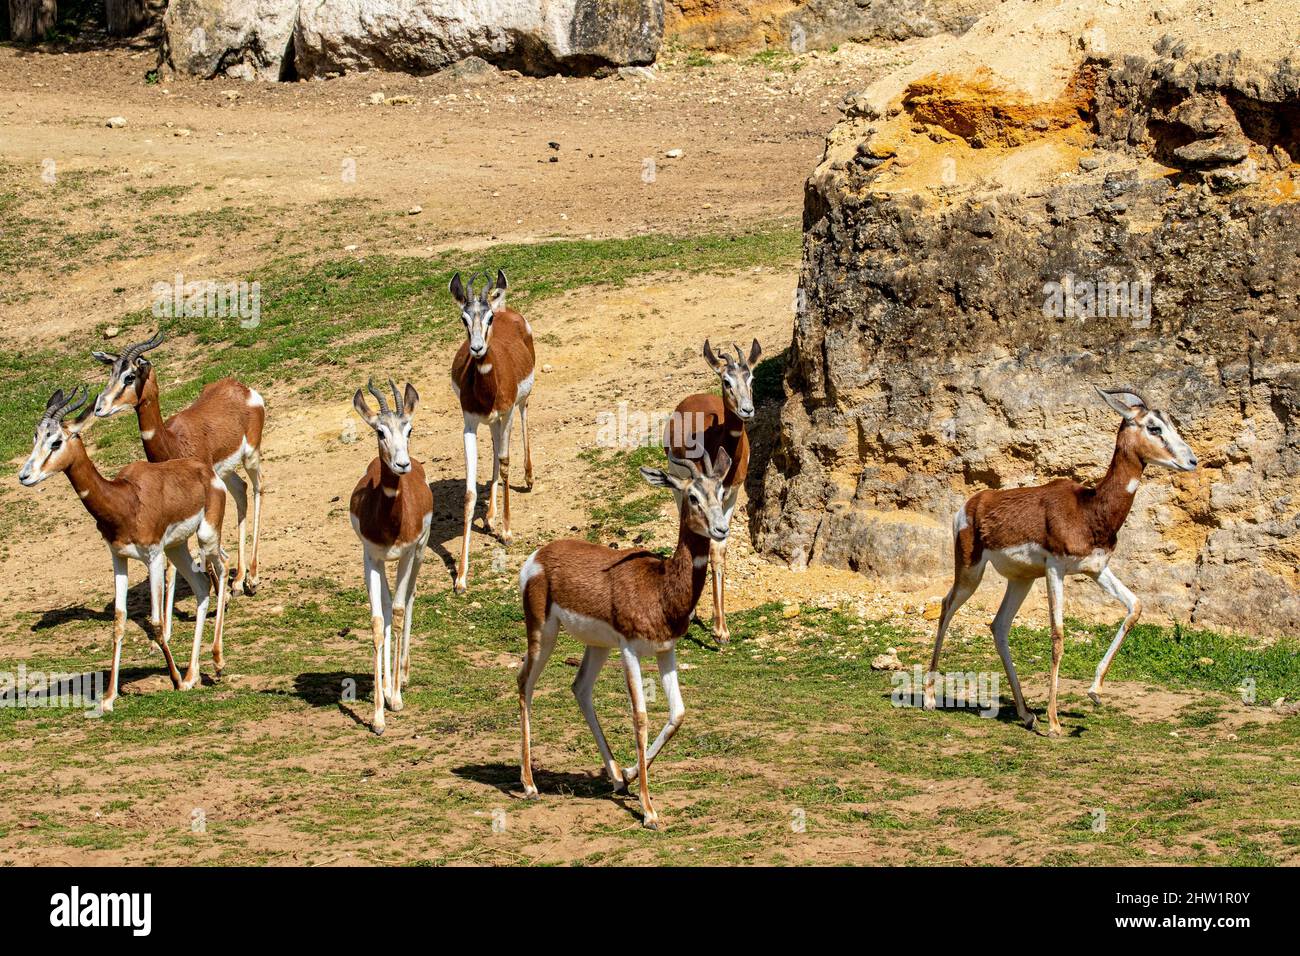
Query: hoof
[238,586]
[528,483]
[396,705]
[530,793]
[378,729]
[507,537]
[106,705]
[460,587]
[250,586]
[189,683]
[1095,697]
[220,669]
[722,638]
[620,787]
[651,823]
[927,703]
[1030,722]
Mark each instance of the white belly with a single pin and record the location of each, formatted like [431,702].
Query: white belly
[597,633]
[1030,561]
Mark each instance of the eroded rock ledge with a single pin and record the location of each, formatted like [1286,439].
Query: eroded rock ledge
[946,230]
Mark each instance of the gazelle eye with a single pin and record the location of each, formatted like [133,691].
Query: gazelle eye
[128,379]
[56,444]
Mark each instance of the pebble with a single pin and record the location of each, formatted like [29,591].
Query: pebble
[116,122]
[675,154]
[414,211]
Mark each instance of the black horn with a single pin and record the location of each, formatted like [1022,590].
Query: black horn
[379,397]
[133,352]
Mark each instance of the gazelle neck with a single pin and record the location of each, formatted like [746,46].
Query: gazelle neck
[1114,494]
[94,490]
[148,412]
[684,576]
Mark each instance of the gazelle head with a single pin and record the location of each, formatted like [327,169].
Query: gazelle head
[51,453]
[476,309]
[392,425]
[126,380]
[701,494]
[737,378]
[1150,433]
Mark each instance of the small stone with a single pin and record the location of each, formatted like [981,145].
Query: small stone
[351,248]
[1206,661]
[1089,163]
[548,367]
[675,154]
[116,122]
[181,132]
[112,332]
[791,610]
[414,211]
[231,95]
[377,99]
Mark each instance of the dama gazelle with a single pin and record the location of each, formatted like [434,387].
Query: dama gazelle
[635,602]
[223,428]
[1053,530]
[492,375]
[713,423]
[147,513]
[391,511]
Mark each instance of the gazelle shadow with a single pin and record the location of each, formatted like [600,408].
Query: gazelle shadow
[591,786]
[331,689]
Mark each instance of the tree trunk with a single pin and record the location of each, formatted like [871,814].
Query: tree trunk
[30,20]
[125,17]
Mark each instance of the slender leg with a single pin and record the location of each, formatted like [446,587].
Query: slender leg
[583,686]
[375,589]
[676,710]
[407,567]
[239,491]
[169,610]
[541,641]
[490,517]
[528,448]
[1116,589]
[640,721]
[388,637]
[1017,589]
[119,630]
[717,563]
[195,577]
[506,536]
[167,598]
[253,465]
[965,581]
[217,568]
[1055,604]
[471,495]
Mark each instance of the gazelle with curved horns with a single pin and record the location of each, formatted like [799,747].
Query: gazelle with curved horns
[712,423]
[391,511]
[492,374]
[635,602]
[222,427]
[1057,529]
[147,513]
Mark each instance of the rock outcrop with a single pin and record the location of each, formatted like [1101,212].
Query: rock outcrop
[740,26]
[281,39]
[977,253]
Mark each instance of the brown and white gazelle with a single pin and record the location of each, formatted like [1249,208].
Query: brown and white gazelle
[1053,530]
[635,602]
[147,513]
[222,427]
[492,375]
[714,423]
[391,511]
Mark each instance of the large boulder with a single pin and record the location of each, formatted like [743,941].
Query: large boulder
[250,39]
[1065,195]
[282,39]
[421,36]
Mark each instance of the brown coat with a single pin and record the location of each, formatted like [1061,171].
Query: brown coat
[211,429]
[1065,517]
[721,428]
[391,509]
[509,357]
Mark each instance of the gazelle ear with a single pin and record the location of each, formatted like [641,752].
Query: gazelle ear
[721,465]
[716,362]
[496,295]
[662,479]
[754,352]
[457,289]
[411,400]
[1127,404]
[104,357]
[362,409]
